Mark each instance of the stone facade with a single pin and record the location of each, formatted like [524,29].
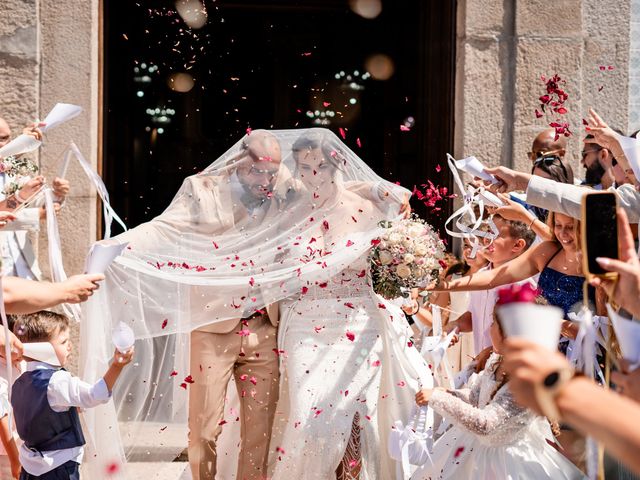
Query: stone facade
[49,52]
[503,47]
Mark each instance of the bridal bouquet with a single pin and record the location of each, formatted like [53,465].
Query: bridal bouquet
[408,254]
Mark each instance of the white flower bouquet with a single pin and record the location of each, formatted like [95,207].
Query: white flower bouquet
[408,254]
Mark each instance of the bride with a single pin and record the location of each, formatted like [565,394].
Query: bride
[336,340]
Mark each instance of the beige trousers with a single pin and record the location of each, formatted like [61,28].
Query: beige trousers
[251,359]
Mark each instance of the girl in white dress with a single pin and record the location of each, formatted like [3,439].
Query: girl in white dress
[340,352]
[492,436]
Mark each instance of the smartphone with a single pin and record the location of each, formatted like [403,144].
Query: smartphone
[599,232]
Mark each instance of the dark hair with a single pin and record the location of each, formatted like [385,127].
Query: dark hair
[39,327]
[555,167]
[519,230]
[461,268]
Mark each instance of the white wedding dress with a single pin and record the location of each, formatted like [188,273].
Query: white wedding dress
[344,351]
[492,437]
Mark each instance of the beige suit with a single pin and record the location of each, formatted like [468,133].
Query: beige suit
[566,199]
[218,351]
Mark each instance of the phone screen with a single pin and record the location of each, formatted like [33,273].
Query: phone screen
[601,229]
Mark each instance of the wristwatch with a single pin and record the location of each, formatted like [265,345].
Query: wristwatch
[547,391]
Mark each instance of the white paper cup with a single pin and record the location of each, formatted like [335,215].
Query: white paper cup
[123,337]
[628,335]
[539,323]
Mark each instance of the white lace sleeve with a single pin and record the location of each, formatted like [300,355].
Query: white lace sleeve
[480,421]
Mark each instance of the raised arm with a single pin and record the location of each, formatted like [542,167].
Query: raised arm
[28,296]
[526,265]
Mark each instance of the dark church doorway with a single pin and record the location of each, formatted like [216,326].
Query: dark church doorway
[177,97]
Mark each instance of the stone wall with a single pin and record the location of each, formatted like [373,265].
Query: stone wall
[504,46]
[49,51]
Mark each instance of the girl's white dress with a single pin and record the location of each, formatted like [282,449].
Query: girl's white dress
[492,437]
[346,353]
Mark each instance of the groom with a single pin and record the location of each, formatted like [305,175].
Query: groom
[219,351]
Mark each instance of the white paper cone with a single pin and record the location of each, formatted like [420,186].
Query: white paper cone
[20,144]
[538,323]
[42,352]
[123,337]
[628,334]
[60,113]
[474,167]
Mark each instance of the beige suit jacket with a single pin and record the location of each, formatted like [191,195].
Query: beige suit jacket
[206,208]
[566,199]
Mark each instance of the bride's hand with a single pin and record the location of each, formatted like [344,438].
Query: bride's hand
[423,396]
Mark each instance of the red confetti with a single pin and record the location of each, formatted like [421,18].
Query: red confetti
[325,225]
[112,468]
[173,374]
[350,335]
[245,332]
[215,245]
[349,305]
[438,168]
[164,323]
[358,142]
[349,243]
[305,290]
[404,128]
[343,134]
[459,450]
[382,306]
[189,379]
[253,380]
[375,363]
[326,104]
[252,281]
[248,130]
[222,422]
[362,274]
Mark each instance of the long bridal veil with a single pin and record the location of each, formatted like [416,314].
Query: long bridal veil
[262,223]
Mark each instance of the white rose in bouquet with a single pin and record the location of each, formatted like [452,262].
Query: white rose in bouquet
[416,230]
[403,270]
[408,258]
[385,257]
[420,250]
[394,239]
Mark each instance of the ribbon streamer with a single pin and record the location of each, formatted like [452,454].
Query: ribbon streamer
[472,228]
[108,212]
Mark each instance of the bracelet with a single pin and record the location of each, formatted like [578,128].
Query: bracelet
[548,390]
[533,221]
[18,197]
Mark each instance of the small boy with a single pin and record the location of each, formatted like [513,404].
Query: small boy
[513,239]
[45,400]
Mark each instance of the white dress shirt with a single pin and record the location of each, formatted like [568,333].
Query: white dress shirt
[481,305]
[64,391]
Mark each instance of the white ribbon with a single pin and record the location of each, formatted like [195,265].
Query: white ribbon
[469,229]
[55,251]
[108,212]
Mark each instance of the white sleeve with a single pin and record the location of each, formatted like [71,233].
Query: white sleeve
[66,391]
[28,219]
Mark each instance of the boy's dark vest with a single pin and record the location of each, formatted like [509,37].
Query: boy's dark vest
[38,425]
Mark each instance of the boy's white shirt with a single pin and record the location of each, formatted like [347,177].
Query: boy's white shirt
[64,391]
[481,305]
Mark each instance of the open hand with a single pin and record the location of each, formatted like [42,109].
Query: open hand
[79,288]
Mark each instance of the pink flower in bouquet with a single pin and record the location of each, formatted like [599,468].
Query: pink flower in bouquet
[517,293]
